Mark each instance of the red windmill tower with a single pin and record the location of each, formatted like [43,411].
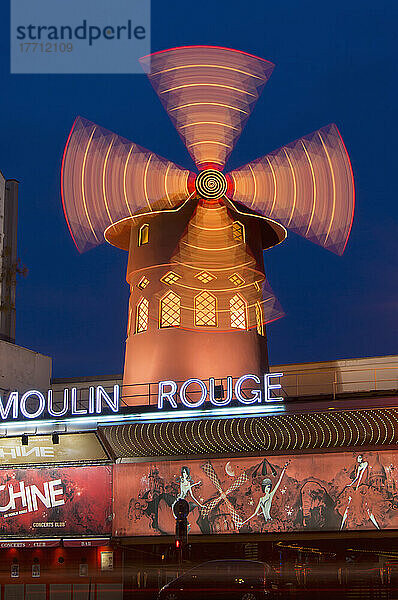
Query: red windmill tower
[199,298]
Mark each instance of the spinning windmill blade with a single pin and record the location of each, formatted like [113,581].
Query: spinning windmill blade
[307,186]
[106,178]
[209,93]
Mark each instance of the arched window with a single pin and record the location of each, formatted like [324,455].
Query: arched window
[205,310]
[238,231]
[170,310]
[143,234]
[238,312]
[259,319]
[142,315]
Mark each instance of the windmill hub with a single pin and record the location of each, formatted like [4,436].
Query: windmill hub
[211,184]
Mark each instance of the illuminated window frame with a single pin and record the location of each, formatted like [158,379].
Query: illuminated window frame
[259,318]
[205,277]
[236,279]
[170,277]
[170,310]
[143,282]
[205,316]
[238,312]
[238,231]
[143,235]
[142,316]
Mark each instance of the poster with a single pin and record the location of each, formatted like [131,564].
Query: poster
[328,491]
[55,501]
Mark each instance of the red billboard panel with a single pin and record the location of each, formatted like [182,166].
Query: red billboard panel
[330,491]
[55,501]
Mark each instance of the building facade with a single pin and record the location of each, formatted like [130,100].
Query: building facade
[273,461]
[318,465]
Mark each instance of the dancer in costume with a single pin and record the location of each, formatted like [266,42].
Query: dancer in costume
[265,502]
[358,496]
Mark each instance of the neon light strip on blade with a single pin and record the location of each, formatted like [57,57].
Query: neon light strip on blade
[208,66]
[209,123]
[218,85]
[209,104]
[83,195]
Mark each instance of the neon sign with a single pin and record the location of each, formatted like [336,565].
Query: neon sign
[168,391]
[33,404]
[247,390]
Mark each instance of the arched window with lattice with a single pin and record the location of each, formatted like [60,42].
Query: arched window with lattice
[238,312]
[259,319]
[205,310]
[143,234]
[238,231]
[142,316]
[170,310]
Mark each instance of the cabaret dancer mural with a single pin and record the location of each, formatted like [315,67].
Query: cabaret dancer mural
[331,491]
[359,498]
[186,486]
[265,502]
[186,491]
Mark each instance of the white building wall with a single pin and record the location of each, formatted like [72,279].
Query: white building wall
[376,373]
[22,369]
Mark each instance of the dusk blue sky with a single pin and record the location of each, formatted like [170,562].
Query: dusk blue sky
[335,62]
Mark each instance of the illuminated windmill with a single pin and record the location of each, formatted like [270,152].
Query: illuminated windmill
[199,297]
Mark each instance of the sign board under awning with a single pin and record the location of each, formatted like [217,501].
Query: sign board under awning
[41,450]
[85,542]
[30,543]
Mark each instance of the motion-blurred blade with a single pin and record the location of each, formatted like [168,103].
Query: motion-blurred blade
[229,288]
[307,186]
[106,178]
[208,92]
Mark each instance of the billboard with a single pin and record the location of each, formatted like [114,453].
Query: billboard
[326,491]
[55,501]
[40,449]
